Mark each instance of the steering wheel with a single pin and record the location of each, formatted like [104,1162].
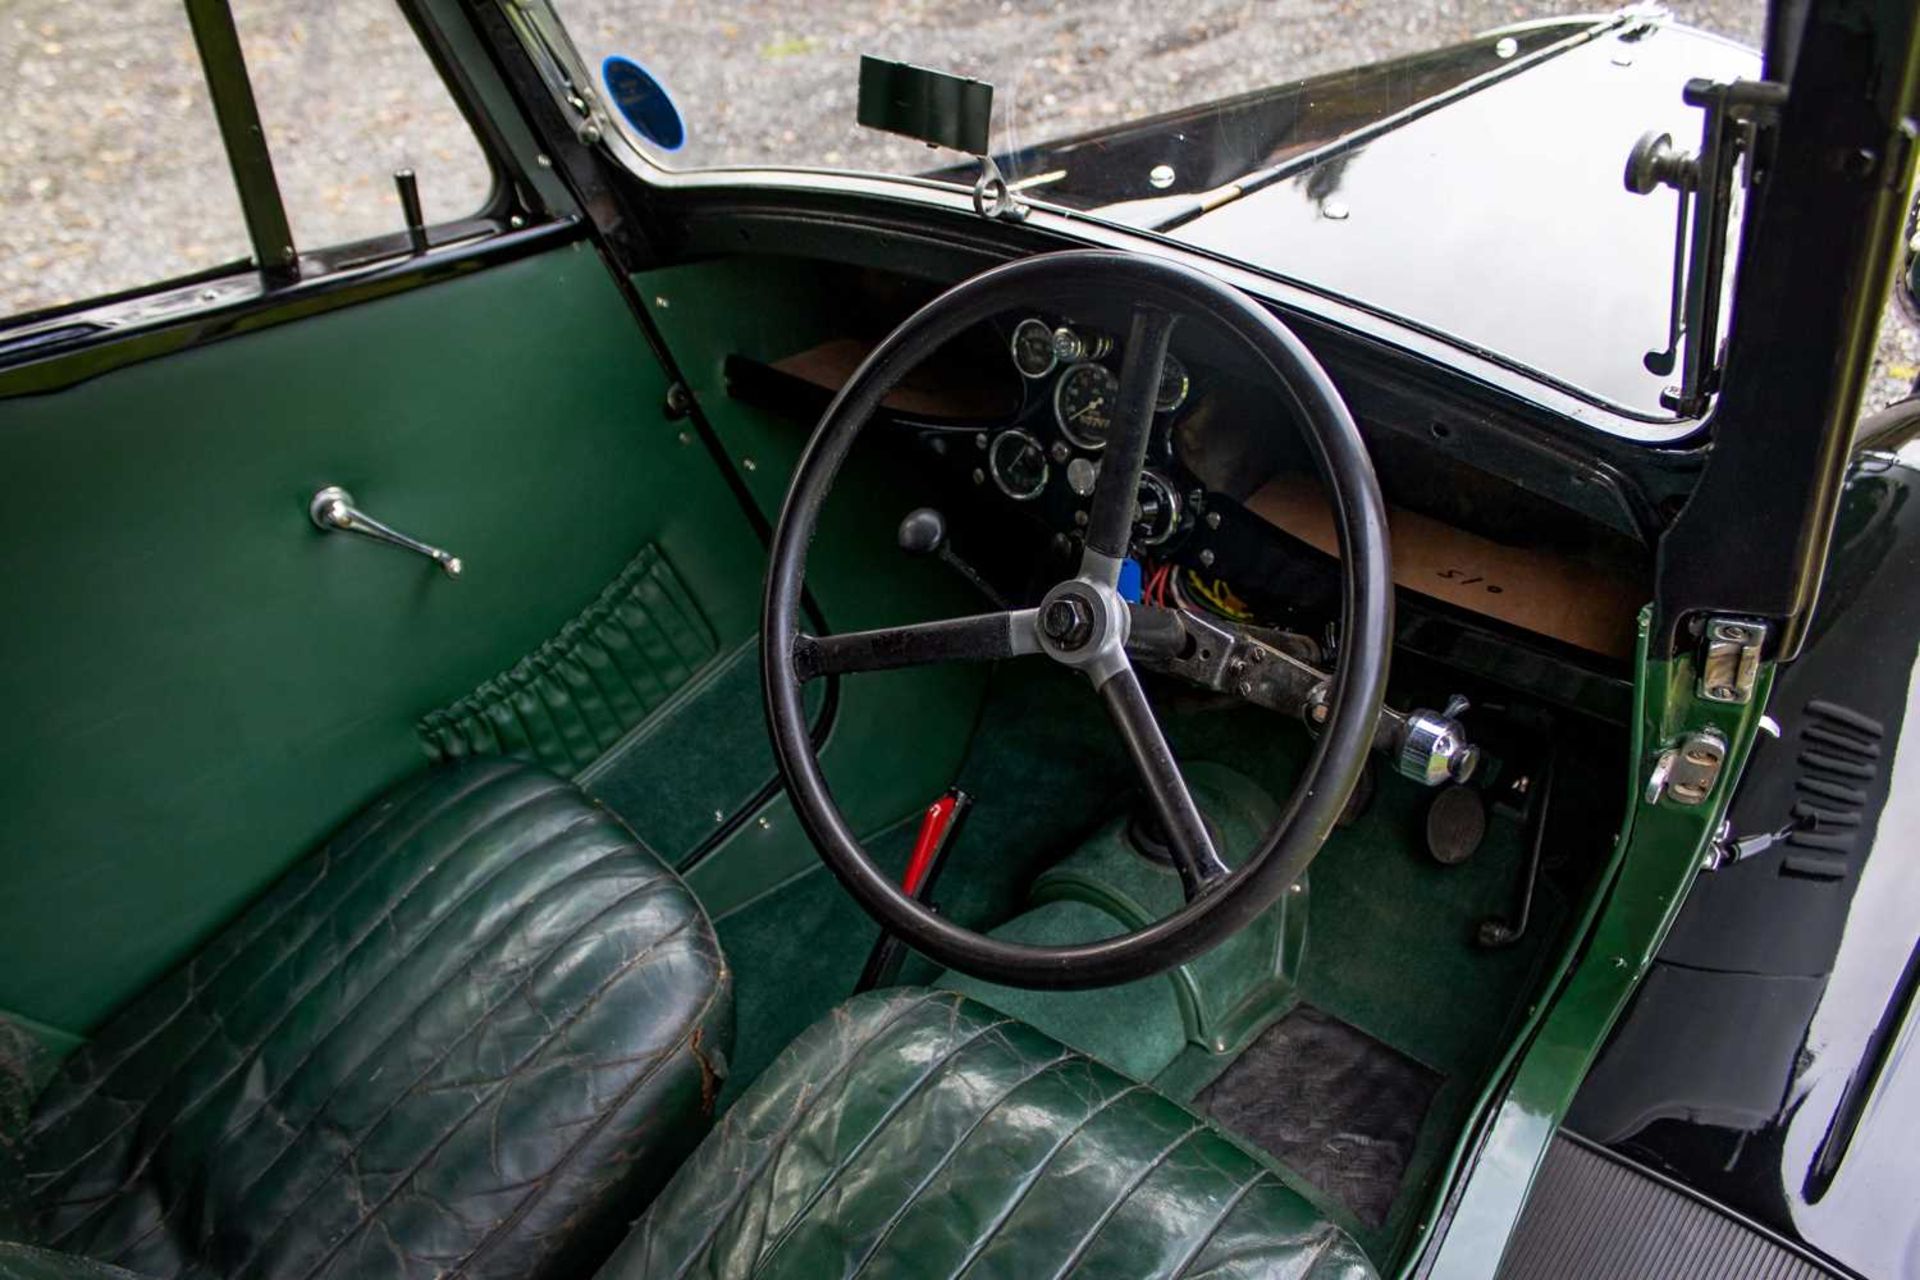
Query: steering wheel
[1083,623]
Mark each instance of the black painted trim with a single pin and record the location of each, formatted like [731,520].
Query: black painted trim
[224,65]
[50,368]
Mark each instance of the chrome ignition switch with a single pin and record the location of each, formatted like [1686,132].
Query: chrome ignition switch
[1434,747]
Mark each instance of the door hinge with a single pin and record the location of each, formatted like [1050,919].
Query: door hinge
[1730,660]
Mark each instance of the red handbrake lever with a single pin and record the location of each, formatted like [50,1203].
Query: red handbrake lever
[938,825]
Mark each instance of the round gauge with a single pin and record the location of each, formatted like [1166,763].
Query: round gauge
[1083,402]
[1018,464]
[1033,352]
[1174,386]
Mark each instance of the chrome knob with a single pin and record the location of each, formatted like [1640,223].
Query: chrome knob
[1434,748]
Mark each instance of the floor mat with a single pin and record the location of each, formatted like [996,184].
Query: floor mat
[1331,1103]
[1593,1216]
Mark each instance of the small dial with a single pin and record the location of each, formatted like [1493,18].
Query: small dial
[1018,464]
[1174,386]
[1083,404]
[1033,352]
[1082,475]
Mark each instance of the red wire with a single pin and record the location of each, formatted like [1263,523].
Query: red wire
[1156,592]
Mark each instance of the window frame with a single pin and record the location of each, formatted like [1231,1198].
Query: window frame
[516,203]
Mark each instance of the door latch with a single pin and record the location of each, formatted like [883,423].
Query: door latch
[1687,770]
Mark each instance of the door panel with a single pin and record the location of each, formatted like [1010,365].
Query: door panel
[198,684]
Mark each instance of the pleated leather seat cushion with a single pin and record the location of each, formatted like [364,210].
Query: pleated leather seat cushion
[472,1035]
[916,1133]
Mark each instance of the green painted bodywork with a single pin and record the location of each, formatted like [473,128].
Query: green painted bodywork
[199,684]
[1659,851]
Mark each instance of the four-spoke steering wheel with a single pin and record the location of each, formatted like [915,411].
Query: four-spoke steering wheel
[1083,623]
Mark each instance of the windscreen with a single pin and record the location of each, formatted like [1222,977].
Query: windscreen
[1438,164]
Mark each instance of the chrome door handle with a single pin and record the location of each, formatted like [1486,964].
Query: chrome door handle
[333,511]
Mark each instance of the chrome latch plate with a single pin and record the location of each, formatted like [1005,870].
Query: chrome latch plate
[1687,770]
[1730,660]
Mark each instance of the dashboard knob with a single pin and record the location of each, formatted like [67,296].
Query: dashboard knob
[923,531]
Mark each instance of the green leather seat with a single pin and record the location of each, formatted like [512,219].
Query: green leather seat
[472,1035]
[918,1134]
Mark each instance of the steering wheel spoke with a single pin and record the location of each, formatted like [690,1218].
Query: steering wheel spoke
[984,637]
[1116,493]
[1194,856]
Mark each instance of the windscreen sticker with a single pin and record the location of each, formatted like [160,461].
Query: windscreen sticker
[644,103]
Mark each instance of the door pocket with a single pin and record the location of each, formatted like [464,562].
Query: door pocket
[570,700]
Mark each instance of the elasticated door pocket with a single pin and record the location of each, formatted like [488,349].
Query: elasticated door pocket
[569,701]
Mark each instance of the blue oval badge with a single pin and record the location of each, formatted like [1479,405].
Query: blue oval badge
[644,102]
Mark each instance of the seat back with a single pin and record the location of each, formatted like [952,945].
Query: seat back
[475,1032]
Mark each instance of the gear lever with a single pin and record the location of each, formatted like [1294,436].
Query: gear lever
[923,532]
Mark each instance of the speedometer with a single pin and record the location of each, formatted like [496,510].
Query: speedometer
[1083,404]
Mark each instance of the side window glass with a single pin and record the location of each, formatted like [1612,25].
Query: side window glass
[347,95]
[112,175]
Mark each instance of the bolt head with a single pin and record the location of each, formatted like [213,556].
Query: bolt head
[1066,622]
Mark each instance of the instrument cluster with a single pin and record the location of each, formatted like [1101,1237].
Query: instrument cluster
[1073,373]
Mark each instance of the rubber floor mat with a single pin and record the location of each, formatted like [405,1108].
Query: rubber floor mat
[1331,1103]
[1594,1216]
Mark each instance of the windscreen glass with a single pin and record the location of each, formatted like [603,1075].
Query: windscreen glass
[1425,162]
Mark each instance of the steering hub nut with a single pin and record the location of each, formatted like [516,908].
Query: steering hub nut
[1067,622]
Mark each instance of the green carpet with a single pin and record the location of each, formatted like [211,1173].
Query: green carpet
[695,761]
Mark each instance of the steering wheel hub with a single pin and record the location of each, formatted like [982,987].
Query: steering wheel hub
[1084,625]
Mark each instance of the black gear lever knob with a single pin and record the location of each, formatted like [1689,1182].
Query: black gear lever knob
[923,532]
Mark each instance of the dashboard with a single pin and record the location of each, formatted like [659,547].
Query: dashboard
[1230,516]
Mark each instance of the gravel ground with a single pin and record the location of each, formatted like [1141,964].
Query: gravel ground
[126,183]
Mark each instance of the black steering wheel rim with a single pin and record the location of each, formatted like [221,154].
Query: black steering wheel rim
[1360,671]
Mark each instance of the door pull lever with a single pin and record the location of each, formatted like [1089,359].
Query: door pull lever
[333,511]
